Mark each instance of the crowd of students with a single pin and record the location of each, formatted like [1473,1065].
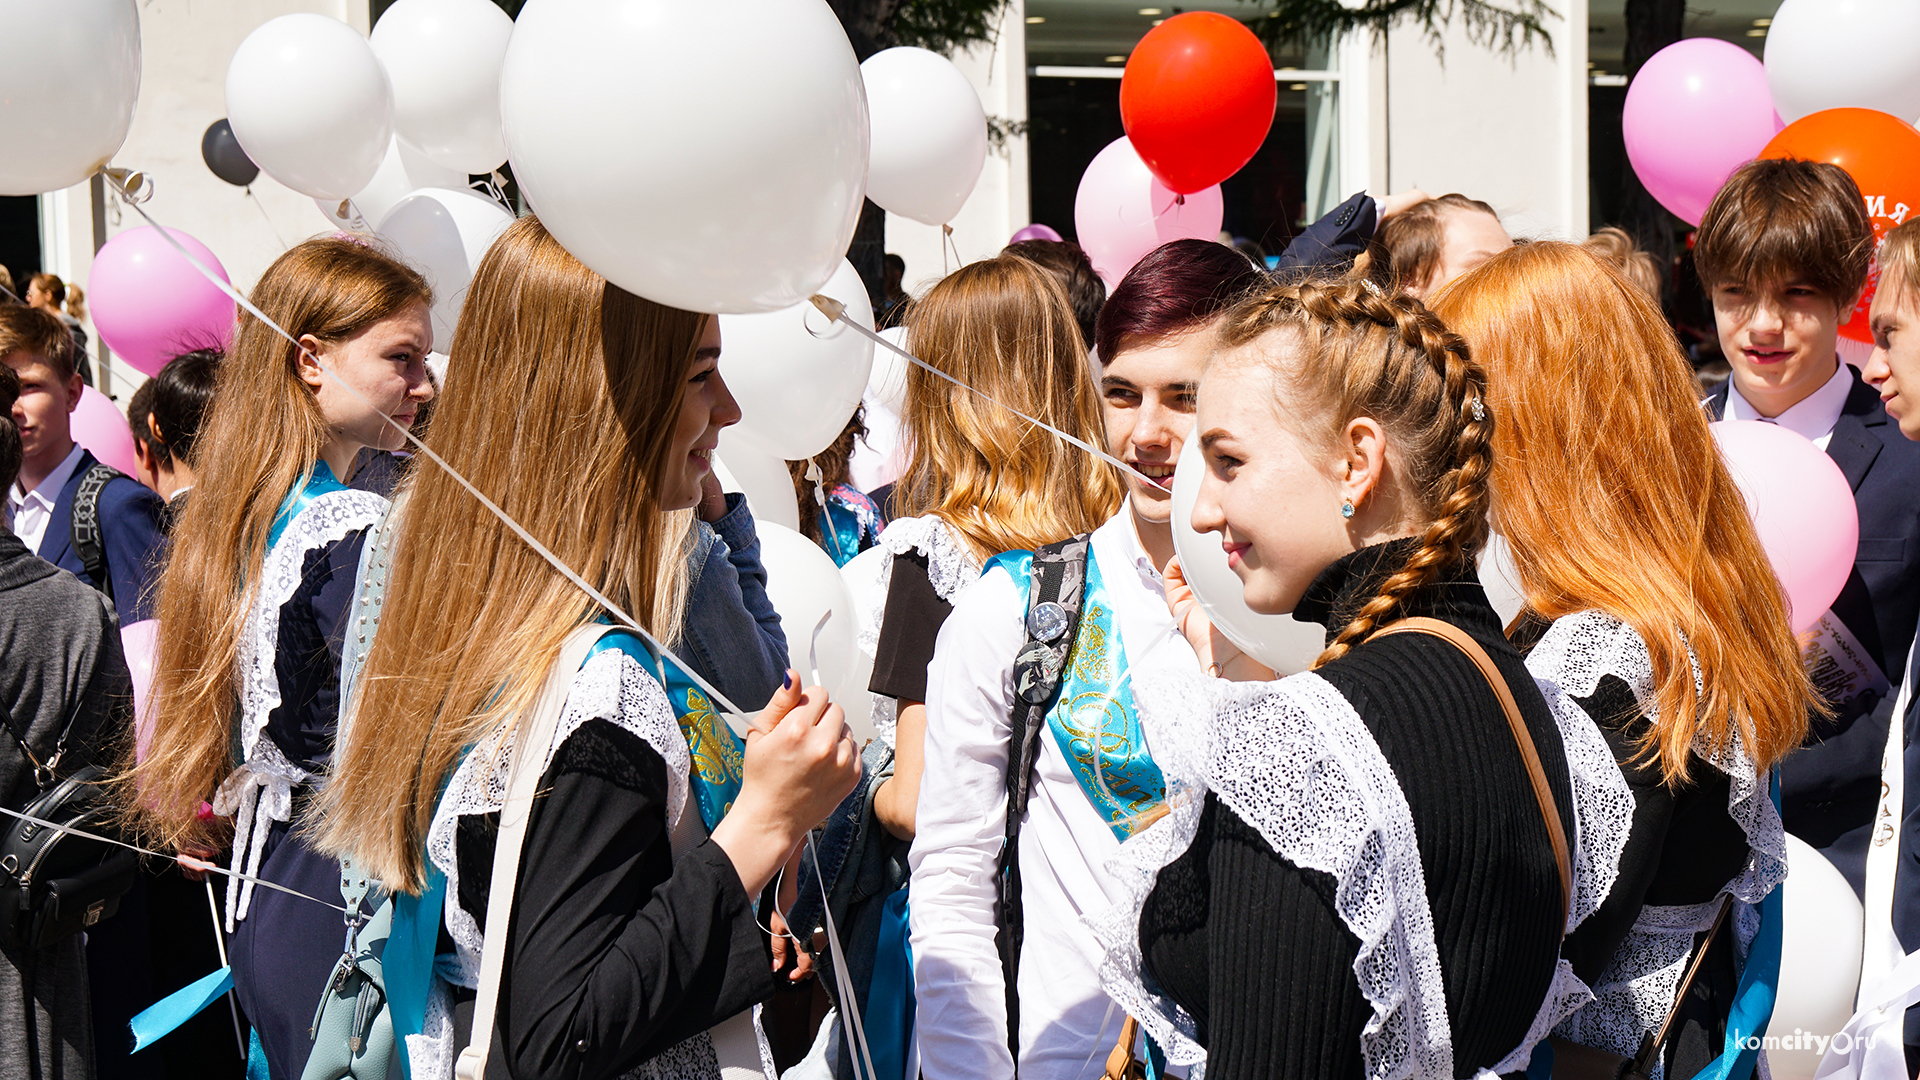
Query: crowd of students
[1090,828]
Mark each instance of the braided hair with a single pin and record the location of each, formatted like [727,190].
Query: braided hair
[1364,351]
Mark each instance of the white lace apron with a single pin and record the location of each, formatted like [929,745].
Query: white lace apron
[1295,761]
[260,791]
[951,567]
[1635,991]
[610,686]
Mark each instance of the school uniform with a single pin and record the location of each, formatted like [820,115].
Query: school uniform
[130,531]
[1065,1017]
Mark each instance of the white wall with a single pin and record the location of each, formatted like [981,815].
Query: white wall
[1510,132]
[185,46]
[998,205]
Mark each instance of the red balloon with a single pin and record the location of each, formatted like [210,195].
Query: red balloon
[1197,99]
[1882,154]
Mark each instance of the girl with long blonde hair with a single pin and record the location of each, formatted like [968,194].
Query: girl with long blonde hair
[979,480]
[253,600]
[586,413]
[1651,602]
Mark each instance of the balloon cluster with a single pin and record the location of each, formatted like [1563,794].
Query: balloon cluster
[1197,100]
[1838,85]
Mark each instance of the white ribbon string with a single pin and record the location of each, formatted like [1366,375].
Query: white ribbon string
[837,312]
[197,864]
[625,621]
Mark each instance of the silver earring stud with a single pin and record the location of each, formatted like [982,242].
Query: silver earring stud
[1346,509]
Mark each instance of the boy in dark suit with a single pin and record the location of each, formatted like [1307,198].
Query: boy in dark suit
[1783,252]
[41,503]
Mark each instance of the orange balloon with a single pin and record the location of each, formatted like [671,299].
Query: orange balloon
[1197,99]
[1882,154]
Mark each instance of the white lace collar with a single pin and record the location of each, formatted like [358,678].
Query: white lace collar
[1581,649]
[951,567]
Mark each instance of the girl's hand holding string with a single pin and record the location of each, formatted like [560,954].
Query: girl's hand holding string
[801,761]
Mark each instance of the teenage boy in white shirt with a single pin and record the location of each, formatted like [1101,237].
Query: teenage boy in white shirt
[1783,251]
[1153,341]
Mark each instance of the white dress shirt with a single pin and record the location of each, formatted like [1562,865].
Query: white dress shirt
[1812,417]
[31,511]
[1067,1022]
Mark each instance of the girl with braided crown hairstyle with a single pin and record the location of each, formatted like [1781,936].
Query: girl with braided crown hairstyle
[1364,869]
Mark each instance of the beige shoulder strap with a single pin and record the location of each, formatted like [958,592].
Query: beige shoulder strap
[1535,771]
[534,735]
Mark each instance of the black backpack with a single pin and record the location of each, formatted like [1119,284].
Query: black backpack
[85,524]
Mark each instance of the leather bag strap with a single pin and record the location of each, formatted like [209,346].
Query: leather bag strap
[531,738]
[1536,773]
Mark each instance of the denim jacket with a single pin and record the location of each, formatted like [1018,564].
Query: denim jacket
[730,633]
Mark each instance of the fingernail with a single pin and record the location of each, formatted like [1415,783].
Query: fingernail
[786,681]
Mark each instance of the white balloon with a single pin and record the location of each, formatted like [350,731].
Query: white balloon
[887,382]
[1821,935]
[929,134]
[1281,642]
[443,57]
[797,376]
[803,584]
[69,75]
[880,458]
[444,234]
[402,172]
[310,104]
[710,156]
[1830,54]
[760,476]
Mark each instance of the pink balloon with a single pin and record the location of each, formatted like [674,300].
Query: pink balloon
[141,642]
[1122,212]
[1036,232]
[99,426]
[1802,507]
[1697,110]
[150,304]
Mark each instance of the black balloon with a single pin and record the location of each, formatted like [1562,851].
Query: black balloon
[224,156]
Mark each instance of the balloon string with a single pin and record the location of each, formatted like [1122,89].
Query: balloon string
[197,864]
[623,620]
[835,310]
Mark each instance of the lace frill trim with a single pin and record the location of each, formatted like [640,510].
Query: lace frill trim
[610,686]
[951,567]
[1581,649]
[1294,761]
[1633,994]
[260,789]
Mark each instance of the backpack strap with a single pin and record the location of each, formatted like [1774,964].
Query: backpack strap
[85,525]
[1054,598]
[532,735]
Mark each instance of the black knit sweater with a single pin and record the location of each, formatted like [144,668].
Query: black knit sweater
[1251,945]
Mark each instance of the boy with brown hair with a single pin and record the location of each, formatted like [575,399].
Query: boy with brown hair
[1783,253]
[117,543]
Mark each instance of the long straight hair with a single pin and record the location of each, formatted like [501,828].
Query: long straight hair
[263,432]
[560,404]
[1002,326]
[1614,497]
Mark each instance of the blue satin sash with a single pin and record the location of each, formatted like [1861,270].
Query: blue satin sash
[718,755]
[315,484]
[888,1017]
[1097,730]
